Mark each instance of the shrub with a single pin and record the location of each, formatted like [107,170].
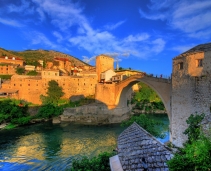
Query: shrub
[99,163]
[196,153]
[193,130]
[21,120]
[147,123]
[49,110]
[32,73]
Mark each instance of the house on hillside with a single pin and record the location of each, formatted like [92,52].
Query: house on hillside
[11,60]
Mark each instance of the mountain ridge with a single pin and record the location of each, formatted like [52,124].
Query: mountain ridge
[41,54]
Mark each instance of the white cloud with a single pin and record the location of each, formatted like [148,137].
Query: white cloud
[137,38]
[66,15]
[58,36]
[40,38]
[158,45]
[87,59]
[188,16]
[10,22]
[114,26]
[24,8]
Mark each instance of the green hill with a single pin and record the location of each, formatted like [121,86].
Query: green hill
[34,55]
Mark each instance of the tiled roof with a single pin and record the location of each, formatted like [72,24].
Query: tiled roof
[11,58]
[135,143]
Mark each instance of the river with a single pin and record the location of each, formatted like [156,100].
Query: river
[47,146]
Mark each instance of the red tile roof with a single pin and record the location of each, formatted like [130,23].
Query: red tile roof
[16,58]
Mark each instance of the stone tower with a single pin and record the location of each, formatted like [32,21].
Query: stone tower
[103,63]
[191,89]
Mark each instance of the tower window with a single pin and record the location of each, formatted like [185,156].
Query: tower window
[181,65]
[199,63]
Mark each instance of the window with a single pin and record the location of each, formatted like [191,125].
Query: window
[199,63]
[181,65]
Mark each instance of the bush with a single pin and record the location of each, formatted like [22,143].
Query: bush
[21,120]
[147,123]
[9,110]
[100,163]
[20,70]
[196,153]
[32,73]
[49,110]
[193,130]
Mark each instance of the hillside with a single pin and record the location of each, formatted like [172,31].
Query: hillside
[34,55]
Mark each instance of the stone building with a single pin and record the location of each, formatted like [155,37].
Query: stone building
[30,88]
[11,60]
[103,63]
[191,89]
[8,69]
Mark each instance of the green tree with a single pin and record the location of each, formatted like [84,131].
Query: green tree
[32,73]
[196,153]
[54,93]
[49,110]
[20,70]
[193,130]
[147,123]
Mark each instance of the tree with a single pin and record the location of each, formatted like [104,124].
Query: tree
[32,73]
[147,123]
[54,93]
[196,152]
[20,70]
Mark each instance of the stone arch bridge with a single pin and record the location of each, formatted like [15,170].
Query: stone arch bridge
[114,95]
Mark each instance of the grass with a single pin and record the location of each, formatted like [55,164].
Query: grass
[10,126]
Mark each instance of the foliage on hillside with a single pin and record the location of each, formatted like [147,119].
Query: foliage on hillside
[147,99]
[196,153]
[32,56]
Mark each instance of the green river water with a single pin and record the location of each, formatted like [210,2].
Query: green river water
[47,146]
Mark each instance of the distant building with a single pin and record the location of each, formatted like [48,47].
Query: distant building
[29,67]
[11,60]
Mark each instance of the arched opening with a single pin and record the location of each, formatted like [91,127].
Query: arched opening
[163,90]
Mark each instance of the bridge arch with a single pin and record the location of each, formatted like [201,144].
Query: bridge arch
[160,85]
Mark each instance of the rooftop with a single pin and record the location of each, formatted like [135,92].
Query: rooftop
[199,48]
[135,143]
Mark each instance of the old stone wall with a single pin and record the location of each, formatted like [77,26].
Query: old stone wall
[95,114]
[7,69]
[191,92]
[31,87]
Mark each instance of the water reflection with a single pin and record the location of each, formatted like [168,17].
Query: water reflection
[52,147]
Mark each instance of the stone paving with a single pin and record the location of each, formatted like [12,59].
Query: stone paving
[135,143]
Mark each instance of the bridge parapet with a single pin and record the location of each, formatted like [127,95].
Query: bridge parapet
[142,75]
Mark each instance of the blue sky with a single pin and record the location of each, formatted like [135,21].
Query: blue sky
[142,34]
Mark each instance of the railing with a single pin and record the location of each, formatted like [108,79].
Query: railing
[155,78]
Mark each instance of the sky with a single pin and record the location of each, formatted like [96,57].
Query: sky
[142,35]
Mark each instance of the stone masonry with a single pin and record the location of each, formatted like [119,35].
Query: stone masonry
[191,89]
